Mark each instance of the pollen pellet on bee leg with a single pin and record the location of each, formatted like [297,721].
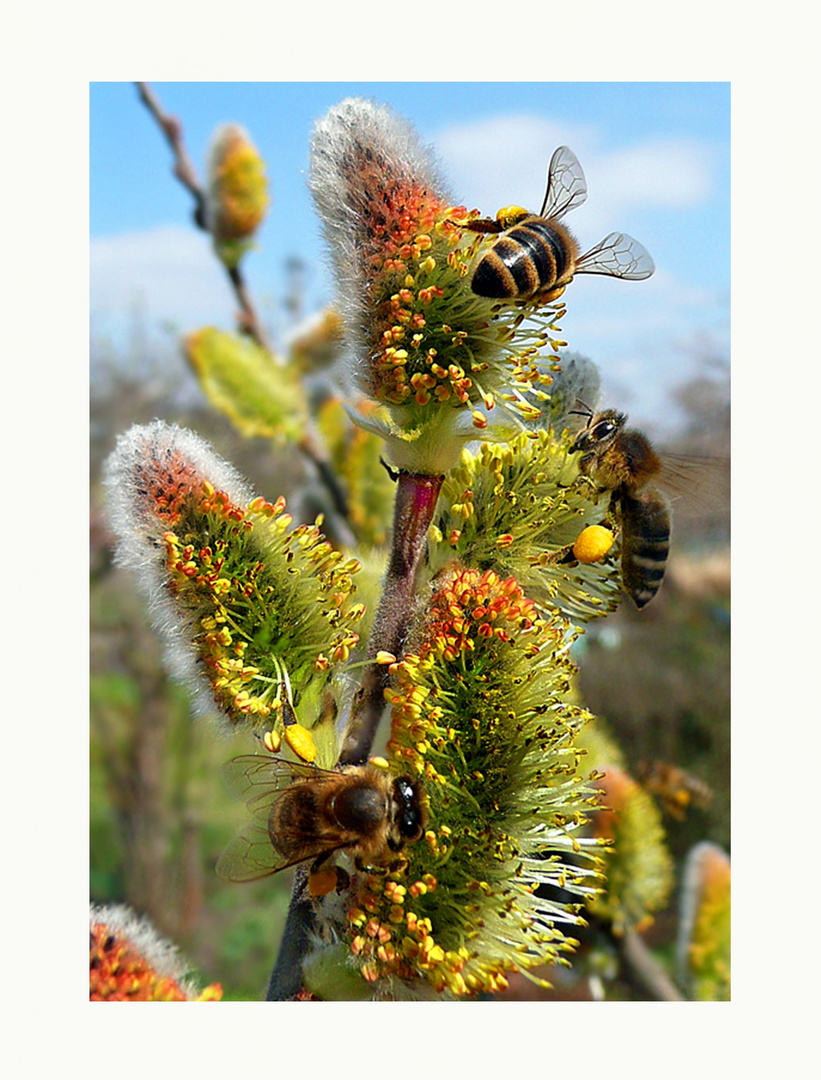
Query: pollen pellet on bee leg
[301,741]
[323,881]
[593,543]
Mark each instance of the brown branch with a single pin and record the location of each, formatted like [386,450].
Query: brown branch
[183,166]
[247,318]
[309,446]
[185,172]
[644,970]
[416,498]
[286,978]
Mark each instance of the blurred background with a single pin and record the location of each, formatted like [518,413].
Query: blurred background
[656,158]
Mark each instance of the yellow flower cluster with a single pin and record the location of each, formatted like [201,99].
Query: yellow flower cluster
[639,868]
[480,713]
[237,196]
[232,582]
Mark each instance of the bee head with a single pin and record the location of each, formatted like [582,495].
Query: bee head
[511,215]
[600,430]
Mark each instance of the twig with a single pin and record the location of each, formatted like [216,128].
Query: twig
[185,172]
[416,498]
[247,318]
[310,447]
[644,970]
[286,978]
[183,166]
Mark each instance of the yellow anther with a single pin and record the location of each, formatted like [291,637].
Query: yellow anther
[272,741]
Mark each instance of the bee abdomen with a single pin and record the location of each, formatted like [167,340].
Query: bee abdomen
[531,257]
[646,526]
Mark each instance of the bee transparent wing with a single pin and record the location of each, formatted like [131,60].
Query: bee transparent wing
[259,780]
[618,255]
[251,855]
[566,185]
[704,480]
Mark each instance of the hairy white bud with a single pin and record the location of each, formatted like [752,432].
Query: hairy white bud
[365,159]
[147,459]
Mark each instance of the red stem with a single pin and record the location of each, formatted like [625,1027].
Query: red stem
[416,499]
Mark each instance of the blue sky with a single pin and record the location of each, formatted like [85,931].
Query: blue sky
[656,157]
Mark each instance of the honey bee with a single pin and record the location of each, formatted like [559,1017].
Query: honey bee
[301,812]
[675,788]
[622,461]
[536,255]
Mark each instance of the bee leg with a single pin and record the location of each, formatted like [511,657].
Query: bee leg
[392,473]
[366,868]
[565,556]
[316,865]
[550,295]
[480,225]
[343,879]
[581,482]
[613,518]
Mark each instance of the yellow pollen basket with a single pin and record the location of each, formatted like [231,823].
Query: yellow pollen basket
[301,741]
[593,543]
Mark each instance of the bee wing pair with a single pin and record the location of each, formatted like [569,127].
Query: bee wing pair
[618,255]
[261,782]
[700,480]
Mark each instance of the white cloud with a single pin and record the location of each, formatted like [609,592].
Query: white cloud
[504,160]
[646,337]
[672,173]
[169,273]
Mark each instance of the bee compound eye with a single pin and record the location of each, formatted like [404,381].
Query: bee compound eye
[409,818]
[411,826]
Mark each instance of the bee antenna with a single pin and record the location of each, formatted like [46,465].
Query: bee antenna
[585,409]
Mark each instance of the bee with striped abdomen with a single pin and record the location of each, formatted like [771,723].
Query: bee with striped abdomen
[675,788]
[622,461]
[536,255]
[302,812]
